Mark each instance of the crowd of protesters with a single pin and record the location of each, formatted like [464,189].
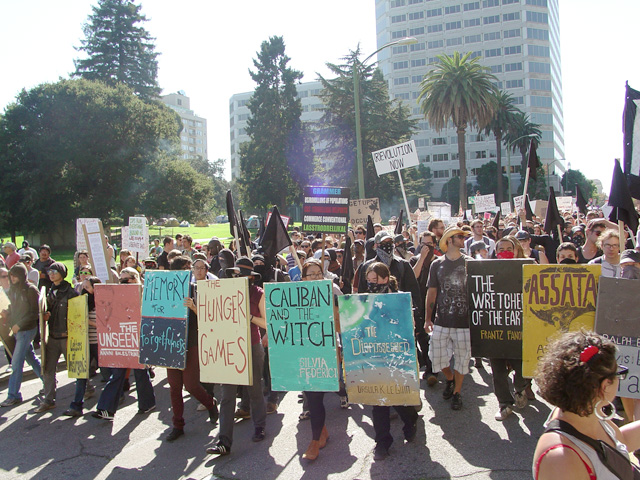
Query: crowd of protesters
[430,265]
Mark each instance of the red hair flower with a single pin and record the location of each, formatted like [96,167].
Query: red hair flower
[588,353]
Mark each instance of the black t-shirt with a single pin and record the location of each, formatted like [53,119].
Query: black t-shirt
[163,260]
[450,278]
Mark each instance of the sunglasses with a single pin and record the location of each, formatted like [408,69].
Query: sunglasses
[458,236]
[361,233]
[83,272]
[622,372]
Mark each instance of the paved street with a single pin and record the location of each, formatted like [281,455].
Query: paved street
[467,444]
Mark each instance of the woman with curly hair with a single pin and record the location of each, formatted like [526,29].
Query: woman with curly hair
[580,376]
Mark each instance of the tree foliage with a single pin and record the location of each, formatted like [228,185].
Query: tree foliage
[213,171]
[417,183]
[118,49]
[451,194]
[78,148]
[573,177]
[278,160]
[461,90]
[383,122]
[487,180]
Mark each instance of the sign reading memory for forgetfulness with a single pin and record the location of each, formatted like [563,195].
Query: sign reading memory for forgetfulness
[326,209]
[395,158]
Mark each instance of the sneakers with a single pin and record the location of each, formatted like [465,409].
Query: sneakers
[103,414]
[175,434]
[214,414]
[448,390]
[150,409]
[258,435]
[240,413]
[89,392]
[456,402]
[344,402]
[10,402]
[200,408]
[44,406]
[503,413]
[478,363]
[380,453]
[306,415]
[72,412]
[521,399]
[219,449]
[271,408]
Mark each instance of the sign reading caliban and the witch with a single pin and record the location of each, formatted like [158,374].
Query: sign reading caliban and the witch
[302,337]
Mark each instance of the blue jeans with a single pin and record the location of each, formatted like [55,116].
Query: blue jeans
[81,383]
[22,352]
[110,397]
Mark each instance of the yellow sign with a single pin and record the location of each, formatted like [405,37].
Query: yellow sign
[78,341]
[556,299]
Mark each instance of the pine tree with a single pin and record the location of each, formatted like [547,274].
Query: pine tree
[118,49]
[278,160]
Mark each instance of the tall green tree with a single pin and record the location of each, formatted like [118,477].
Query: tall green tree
[451,194]
[278,160]
[78,148]
[572,177]
[499,125]
[118,49]
[417,183]
[384,122]
[519,135]
[487,180]
[213,171]
[459,89]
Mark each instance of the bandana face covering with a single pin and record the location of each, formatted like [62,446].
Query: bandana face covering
[631,272]
[384,256]
[506,255]
[377,287]
[578,240]
[568,261]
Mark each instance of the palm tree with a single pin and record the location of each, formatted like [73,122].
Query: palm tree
[520,133]
[460,89]
[499,125]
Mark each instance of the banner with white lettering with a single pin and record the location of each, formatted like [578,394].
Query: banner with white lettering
[138,237]
[325,210]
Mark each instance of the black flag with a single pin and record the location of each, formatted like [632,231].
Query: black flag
[370,231]
[631,145]
[553,218]
[231,213]
[260,231]
[496,221]
[581,203]
[527,209]
[533,162]
[275,237]
[620,199]
[398,229]
[245,238]
[347,262]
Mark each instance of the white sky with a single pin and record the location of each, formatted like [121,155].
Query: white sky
[207,47]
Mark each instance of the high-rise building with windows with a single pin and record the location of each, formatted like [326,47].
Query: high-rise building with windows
[193,138]
[518,39]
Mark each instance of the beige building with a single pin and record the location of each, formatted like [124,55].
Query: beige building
[193,138]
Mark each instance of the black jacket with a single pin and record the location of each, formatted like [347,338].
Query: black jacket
[23,310]
[57,304]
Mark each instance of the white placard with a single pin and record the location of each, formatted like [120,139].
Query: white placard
[564,203]
[505,208]
[94,236]
[423,226]
[485,203]
[395,158]
[81,244]
[421,203]
[124,235]
[440,210]
[138,236]
[518,202]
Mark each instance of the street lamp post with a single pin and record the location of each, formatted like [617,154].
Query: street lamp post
[356,100]
[509,145]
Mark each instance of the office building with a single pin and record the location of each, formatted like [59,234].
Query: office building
[193,138]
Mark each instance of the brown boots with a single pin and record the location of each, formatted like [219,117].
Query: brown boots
[314,447]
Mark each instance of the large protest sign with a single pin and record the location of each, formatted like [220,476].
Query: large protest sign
[78,340]
[118,325]
[395,158]
[302,337]
[163,328]
[564,203]
[138,236]
[518,203]
[505,208]
[556,299]
[224,337]
[495,301]
[628,355]
[379,349]
[8,340]
[81,243]
[94,238]
[440,210]
[485,203]
[539,208]
[325,210]
[361,207]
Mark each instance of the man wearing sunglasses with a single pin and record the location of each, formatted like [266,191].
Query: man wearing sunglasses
[590,249]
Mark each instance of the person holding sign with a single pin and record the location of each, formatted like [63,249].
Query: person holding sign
[579,375]
[244,268]
[23,319]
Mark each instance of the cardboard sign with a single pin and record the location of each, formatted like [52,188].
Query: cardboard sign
[138,236]
[302,337]
[485,203]
[94,237]
[163,328]
[505,208]
[78,340]
[423,226]
[495,304]
[440,210]
[556,299]
[124,236]
[81,243]
[564,203]
[326,210]
[8,340]
[629,356]
[118,325]
[518,202]
[224,337]
[617,313]
[379,349]
[360,208]
[539,208]
[396,158]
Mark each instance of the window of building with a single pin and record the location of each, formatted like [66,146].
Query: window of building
[242,103]
[472,22]
[435,44]
[513,33]
[397,3]
[400,65]
[441,174]
[491,19]
[243,117]
[512,67]
[416,31]
[498,85]
[514,83]
[518,100]
[471,6]
[425,159]
[452,9]
[473,38]
[509,2]
[414,2]
[538,51]
[537,84]
[402,96]
[436,12]
[475,54]
[453,25]
[452,42]
[513,50]
[439,141]
[422,142]
[416,15]
[398,34]
[416,47]
[493,52]
[400,49]
[539,67]
[509,17]
[434,28]
[414,96]
[490,3]
[538,101]
[420,62]
[537,3]
[441,157]
[537,17]
[538,33]
[491,36]
[416,78]
[477,137]
[496,69]
[398,18]
[480,154]
[423,125]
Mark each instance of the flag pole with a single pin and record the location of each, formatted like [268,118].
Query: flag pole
[324,246]
[559,234]
[621,234]
[404,195]
[235,237]
[293,251]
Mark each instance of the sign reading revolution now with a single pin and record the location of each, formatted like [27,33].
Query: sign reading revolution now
[395,158]
[326,209]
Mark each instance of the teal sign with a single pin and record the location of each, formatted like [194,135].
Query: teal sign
[302,337]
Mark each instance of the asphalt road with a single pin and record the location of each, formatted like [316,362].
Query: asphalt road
[466,444]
